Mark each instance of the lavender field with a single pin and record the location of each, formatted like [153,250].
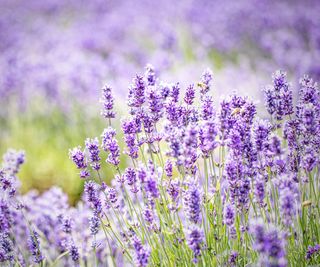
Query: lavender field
[152,133]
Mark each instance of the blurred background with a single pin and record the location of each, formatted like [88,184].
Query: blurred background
[55,55]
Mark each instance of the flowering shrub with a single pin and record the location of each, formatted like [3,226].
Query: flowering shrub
[204,185]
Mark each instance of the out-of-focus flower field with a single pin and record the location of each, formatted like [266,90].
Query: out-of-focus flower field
[177,95]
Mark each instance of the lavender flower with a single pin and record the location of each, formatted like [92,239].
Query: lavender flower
[148,215]
[12,160]
[274,145]
[175,92]
[192,203]
[6,248]
[136,96]
[312,251]
[92,146]
[74,252]
[270,244]
[229,215]
[107,102]
[131,178]
[174,112]
[287,205]
[190,145]
[195,241]
[279,96]
[151,187]
[174,189]
[150,75]
[207,108]
[34,247]
[94,225]
[109,143]
[310,160]
[309,92]
[190,95]
[155,104]
[129,131]
[66,223]
[260,190]
[233,257]
[205,82]
[261,134]
[168,168]
[78,157]
[133,149]
[142,253]
[6,217]
[92,195]
[207,137]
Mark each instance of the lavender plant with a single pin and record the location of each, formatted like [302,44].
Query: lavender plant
[203,185]
[213,186]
